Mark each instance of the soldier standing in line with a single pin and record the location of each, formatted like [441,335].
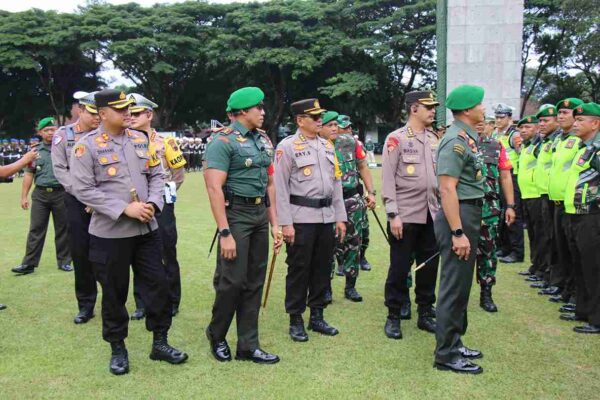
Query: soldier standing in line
[47,198]
[78,215]
[310,207]
[172,162]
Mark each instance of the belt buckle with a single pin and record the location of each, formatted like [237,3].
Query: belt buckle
[49,190]
[257,200]
[557,203]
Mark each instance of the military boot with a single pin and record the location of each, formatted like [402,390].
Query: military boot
[485,299]
[350,292]
[364,264]
[426,321]
[328,298]
[392,324]
[162,351]
[119,360]
[297,332]
[318,324]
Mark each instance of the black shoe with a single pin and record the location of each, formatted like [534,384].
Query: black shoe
[426,324]
[567,308]
[550,290]
[470,353]
[219,348]
[538,285]
[297,332]
[405,312]
[328,298]
[2,307]
[66,268]
[318,324]
[571,317]
[556,299]
[83,316]
[525,273]
[426,311]
[500,253]
[533,278]
[174,310]
[461,366]
[162,351]
[23,269]
[509,259]
[392,327]
[119,360]
[258,356]
[352,295]
[138,314]
[588,328]
[485,299]
[364,264]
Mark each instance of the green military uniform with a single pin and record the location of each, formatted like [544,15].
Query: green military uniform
[246,157]
[47,198]
[458,156]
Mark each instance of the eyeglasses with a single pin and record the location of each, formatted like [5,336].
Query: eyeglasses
[314,117]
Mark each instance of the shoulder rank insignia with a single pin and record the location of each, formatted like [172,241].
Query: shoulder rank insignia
[240,139]
[459,149]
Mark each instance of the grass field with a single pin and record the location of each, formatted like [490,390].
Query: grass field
[529,352]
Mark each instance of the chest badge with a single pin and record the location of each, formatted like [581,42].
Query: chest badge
[103,160]
[102,145]
[111,171]
[410,169]
[248,162]
[307,171]
[115,157]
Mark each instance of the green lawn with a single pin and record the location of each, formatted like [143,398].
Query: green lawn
[529,352]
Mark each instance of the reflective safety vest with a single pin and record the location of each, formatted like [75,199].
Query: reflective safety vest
[512,154]
[583,180]
[544,162]
[564,152]
[527,166]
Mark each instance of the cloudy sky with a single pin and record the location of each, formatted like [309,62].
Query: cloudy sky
[71,5]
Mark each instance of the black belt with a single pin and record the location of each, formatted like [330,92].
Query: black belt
[249,200]
[559,203]
[308,202]
[50,189]
[347,193]
[473,202]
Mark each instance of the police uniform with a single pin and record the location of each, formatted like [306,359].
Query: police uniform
[78,218]
[458,156]
[46,198]
[309,197]
[105,169]
[409,190]
[582,208]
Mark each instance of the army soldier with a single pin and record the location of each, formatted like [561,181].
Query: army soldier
[410,197]
[172,163]
[309,203]
[566,145]
[582,206]
[460,180]
[47,198]
[238,175]
[78,216]
[116,173]
[496,170]
[512,248]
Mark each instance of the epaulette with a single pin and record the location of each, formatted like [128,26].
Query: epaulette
[224,130]
[463,135]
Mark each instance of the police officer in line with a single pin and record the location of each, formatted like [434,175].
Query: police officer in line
[310,208]
[78,215]
[116,173]
[47,198]
[512,247]
[239,179]
[172,163]
[460,180]
[582,207]
[4,152]
[410,196]
[185,149]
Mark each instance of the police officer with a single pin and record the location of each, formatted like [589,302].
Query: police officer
[512,248]
[497,172]
[310,208]
[410,196]
[185,149]
[565,147]
[47,198]
[460,180]
[116,173]
[238,175]
[172,163]
[78,216]
[582,206]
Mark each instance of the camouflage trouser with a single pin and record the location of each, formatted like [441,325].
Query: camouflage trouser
[347,253]
[487,259]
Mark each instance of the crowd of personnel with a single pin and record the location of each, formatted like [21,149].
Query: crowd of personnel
[455,198]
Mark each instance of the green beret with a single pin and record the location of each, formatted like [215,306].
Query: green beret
[590,109]
[44,122]
[529,119]
[571,103]
[245,97]
[328,117]
[464,97]
[549,111]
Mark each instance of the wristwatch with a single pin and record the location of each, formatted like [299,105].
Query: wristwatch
[392,215]
[458,232]
[224,232]
[510,206]
[373,192]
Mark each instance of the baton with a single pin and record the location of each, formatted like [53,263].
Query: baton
[136,198]
[212,244]
[381,226]
[426,261]
[271,268]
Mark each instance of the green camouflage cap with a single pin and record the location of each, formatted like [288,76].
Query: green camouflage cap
[344,121]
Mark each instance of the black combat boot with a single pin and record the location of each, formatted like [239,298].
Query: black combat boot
[426,321]
[119,360]
[485,299]
[392,324]
[364,264]
[350,292]
[162,351]
[318,324]
[297,332]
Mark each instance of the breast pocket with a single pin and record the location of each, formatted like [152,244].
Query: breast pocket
[109,168]
[306,168]
[412,165]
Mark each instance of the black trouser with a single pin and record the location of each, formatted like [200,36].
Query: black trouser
[309,265]
[167,228]
[562,273]
[536,227]
[78,219]
[456,278]
[418,242]
[550,249]
[511,237]
[43,204]
[112,259]
[584,243]
[239,283]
